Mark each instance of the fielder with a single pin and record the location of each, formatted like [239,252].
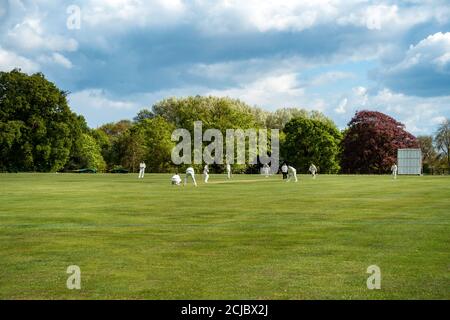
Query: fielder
[284,170]
[228,167]
[394,170]
[176,179]
[190,173]
[292,172]
[142,167]
[206,173]
[313,170]
[266,170]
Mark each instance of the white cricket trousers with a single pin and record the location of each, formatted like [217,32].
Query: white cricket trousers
[141,173]
[192,176]
[290,175]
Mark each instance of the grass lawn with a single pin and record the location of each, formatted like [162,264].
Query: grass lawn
[249,238]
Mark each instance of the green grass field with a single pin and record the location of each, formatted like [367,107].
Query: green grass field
[249,238]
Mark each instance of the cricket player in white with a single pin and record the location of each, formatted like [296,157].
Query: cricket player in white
[190,173]
[284,170]
[206,173]
[292,172]
[266,170]
[176,179]
[142,167]
[313,170]
[394,170]
[228,171]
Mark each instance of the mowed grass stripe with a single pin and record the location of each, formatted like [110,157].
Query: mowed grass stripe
[250,238]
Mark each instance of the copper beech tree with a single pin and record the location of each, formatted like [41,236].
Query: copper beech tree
[371,142]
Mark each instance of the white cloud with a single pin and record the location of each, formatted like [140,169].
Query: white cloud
[56,58]
[375,17]
[381,15]
[97,99]
[443,60]
[271,91]
[341,107]
[223,16]
[201,47]
[116,13]
[292,15]
[393,18]
[330,77]
[10,60]
[425,68]
[434,50]
[287,15]
[296,15]
[242,73]
[438,120]
[61,60]
[232,71]
[360,95]
[31,35]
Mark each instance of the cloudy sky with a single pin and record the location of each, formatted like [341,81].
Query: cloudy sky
[335,56]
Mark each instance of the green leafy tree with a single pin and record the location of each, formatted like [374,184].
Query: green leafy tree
[311,141]
[10,135]
[260,117]
[279,118]
[89,155]
[156,133]
[109,136]
[443,140]
[130,148]
[105,144]
[38,129]
[218,113]
[115,129]
[214,112]
[143,115]
[429,154]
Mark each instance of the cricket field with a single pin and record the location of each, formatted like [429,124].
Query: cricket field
[248,238]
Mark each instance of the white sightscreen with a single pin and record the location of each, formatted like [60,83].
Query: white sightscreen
[409,161]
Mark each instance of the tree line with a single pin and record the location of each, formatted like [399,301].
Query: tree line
[39,132]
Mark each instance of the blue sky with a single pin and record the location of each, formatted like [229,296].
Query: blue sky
[330,55]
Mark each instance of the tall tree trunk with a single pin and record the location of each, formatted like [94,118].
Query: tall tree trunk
[448,157]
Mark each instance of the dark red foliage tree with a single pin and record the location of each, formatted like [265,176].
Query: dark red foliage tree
[371,142]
